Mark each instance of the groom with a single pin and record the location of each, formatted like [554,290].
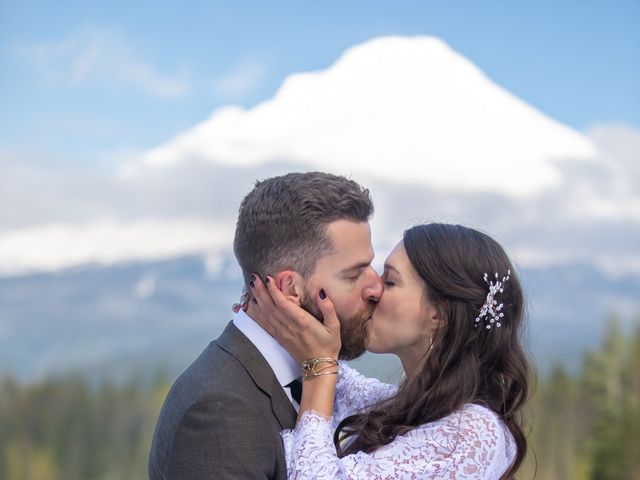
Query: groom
[223,415]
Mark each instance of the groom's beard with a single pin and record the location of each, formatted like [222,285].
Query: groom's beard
[352,330]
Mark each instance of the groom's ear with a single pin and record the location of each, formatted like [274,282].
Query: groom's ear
[291,284]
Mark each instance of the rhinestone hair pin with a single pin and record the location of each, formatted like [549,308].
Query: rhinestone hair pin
[491,309]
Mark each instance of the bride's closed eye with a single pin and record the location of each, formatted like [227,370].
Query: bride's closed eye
[388,283]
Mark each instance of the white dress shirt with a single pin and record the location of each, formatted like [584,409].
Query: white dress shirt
[281,362]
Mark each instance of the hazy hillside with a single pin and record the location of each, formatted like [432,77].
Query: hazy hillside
[142,317]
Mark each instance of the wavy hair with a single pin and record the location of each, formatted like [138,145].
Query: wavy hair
[465,364]
[282,222]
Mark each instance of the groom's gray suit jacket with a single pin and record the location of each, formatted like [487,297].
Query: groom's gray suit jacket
[222,417]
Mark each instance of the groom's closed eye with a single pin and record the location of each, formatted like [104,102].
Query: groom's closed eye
[354,276]
[354,273]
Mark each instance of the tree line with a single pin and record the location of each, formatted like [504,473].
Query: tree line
[584,425]
[587,425]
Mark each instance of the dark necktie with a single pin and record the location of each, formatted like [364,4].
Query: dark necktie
[296,390]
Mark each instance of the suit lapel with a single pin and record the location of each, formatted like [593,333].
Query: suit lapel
[234,342]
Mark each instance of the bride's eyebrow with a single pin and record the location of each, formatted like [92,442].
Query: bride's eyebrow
[388,266]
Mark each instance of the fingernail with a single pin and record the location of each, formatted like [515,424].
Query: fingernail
[323,295]
[266,279]
[251,284]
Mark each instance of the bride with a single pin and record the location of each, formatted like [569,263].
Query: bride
[452,311]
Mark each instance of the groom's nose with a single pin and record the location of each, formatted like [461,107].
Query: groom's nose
[373,288]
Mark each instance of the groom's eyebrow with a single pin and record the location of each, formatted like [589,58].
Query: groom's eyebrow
[359,266]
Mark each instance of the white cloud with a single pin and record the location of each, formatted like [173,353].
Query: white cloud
[180,197]
[96,56]
[241,79]
[620,141]
[620,147]
[609,188]
[618,265]
[399,109]
[614,265]
[145,287]
[57,246]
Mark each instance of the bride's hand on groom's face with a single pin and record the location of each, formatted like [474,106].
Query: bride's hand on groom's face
[299,332]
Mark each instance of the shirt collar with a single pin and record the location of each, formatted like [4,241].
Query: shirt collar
[281,362]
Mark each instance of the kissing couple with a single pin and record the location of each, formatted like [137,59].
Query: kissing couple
[274,398]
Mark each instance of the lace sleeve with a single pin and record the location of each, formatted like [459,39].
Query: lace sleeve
[469,444]
[355,392]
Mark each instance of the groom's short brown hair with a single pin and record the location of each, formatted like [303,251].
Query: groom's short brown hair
[282,221]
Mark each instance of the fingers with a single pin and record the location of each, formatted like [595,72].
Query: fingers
[290,312]
[299,332]
[260,293]
[263,306]
[275,311]
[278,298]
[328,311]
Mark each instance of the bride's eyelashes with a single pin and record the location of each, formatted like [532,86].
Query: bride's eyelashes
[386,281]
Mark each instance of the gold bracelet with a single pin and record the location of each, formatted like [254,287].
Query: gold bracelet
[308,376]
[309,369]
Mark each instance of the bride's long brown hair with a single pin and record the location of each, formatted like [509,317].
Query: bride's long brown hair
[466,364]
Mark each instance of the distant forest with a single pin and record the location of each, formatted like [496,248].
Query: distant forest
[583,426]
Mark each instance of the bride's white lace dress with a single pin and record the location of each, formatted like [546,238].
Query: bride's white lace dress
[472,443]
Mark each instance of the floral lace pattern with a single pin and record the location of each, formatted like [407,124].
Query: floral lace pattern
[472,443]
[355,392]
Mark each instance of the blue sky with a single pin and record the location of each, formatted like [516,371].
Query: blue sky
[577,61]
[89,87]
